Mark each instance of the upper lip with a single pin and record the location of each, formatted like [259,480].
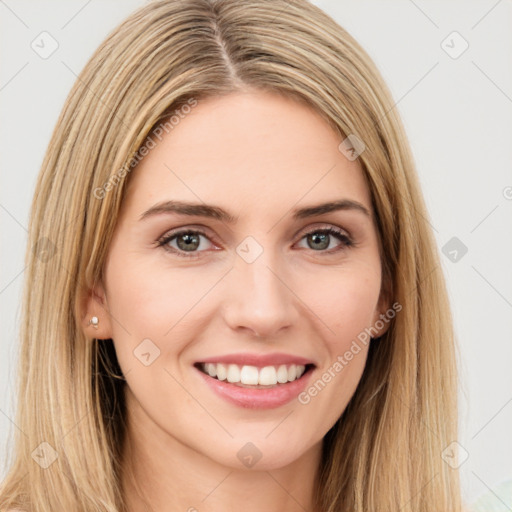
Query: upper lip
[261,360]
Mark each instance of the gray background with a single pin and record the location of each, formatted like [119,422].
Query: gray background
[457,112]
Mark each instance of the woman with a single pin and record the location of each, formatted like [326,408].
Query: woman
[233,296]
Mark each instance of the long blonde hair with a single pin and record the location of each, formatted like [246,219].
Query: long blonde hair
[385,451]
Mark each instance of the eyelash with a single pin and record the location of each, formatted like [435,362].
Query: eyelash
[342,237]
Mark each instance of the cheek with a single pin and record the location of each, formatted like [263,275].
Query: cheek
[344,300]
[149,299]
[133,302]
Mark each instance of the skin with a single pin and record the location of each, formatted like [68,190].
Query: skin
[257,155]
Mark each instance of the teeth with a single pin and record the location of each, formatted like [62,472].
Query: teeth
[249,375]
[222,371]
[267,376]
[211,369]
[282,374]
[252,375]
[233,373]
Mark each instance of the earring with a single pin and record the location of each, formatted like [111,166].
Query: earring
[94,322]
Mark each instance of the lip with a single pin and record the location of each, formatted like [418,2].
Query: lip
[259,360]
[262,398]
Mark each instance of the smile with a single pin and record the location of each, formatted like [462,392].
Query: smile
[252,375]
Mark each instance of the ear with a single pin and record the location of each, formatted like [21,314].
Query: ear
[94,304]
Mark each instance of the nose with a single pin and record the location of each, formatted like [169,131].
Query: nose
[261,298]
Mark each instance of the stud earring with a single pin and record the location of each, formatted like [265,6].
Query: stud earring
[94,322]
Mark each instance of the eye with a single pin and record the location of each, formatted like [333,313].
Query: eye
[188,241]
[320,239]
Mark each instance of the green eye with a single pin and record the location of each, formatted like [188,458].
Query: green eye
[188,241]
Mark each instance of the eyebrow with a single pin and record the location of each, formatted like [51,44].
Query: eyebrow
[216,212]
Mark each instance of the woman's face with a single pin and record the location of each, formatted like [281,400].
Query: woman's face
[240,278]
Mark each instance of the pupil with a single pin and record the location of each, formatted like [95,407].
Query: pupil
[189,240]
[319,238]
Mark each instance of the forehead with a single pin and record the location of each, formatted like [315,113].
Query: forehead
[256,150]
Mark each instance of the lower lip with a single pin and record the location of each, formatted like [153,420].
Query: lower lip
[268,398]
